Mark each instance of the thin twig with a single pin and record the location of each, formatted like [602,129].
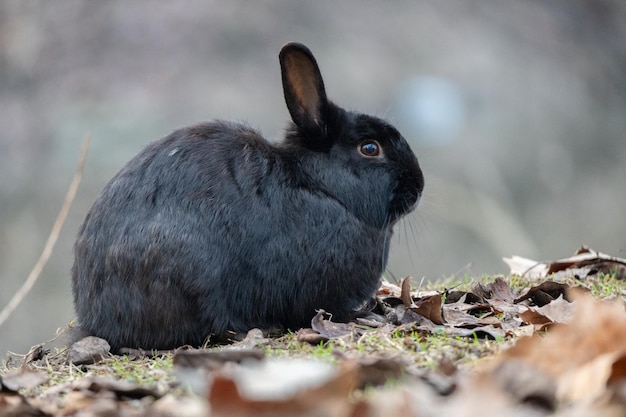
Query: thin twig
[52,238]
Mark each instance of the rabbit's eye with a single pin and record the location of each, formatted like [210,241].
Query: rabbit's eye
[370,149]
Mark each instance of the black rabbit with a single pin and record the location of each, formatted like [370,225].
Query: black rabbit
[214,229]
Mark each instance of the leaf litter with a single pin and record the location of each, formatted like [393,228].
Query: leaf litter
[535,344]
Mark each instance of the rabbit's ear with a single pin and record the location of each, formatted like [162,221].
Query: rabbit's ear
[303,86]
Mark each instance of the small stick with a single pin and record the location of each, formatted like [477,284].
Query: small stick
[52,238]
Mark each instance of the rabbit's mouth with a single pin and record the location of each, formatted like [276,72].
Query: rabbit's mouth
[417,201]
[407,194]
[404,203]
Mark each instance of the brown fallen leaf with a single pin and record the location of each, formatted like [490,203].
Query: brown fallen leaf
[121,389]
[100,396]
[23,378]
[525,267]
[253,338]
[82,401]
[557,311]
[590,380]
[462,296]
[387,289]
[192,366]
[467,302]
[496,290]
[542,318]
[487,396]
[303,388]
[214,359]
[459,318]
[405,294]
[330,329]
[402,316]
[482,332]
[310,336]
[583,356]
[179,406]
[544,293]
[488,300]
[375,371]
[13,404]
[609,267]
[88,350]
[429,307]
[585,256]
[584,259]
[35,353]
[526,384]
[373,323]
[536,319]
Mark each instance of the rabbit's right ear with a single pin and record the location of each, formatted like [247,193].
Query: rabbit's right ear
[303,86]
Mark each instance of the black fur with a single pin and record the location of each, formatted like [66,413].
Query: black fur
[214,229]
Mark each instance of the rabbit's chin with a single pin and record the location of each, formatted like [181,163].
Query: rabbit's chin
[415,204]
[403,207]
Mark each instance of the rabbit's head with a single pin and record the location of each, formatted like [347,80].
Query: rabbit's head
[361,161]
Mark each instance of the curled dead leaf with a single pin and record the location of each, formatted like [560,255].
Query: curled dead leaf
[330,329]
[429,307]
[310,336]
[405,294]
[544,293]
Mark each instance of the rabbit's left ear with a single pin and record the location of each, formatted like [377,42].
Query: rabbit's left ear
[303,86]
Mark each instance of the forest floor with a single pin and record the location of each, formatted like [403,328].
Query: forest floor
[536,344]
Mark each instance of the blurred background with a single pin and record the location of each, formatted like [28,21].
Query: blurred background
[516,110]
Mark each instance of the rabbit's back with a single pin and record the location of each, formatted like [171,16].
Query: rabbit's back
[192,237]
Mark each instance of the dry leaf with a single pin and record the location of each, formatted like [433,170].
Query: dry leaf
[373,371]
[526,267]
[429,307]
[557,311]
[482,332]
[213,359]
[544,293]
[405,294]
[586,259]
[457,318]
[536,319]
[88,350]
[589,381]
[463,297]
[583,356]
[23,378]
[497,290]
[283,388]
[330,329]
[121,389]
[175,405]
[11,402]
[310,336]
[253,338]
